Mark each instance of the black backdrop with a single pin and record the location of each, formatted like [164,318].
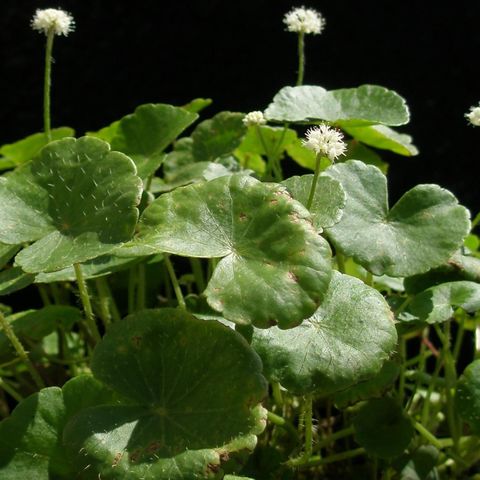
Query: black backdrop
[125,53]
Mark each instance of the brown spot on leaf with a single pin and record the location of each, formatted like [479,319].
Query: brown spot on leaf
[292,277]
[117,459]
[153,447]
[212,468]
[242,217]
[137,341]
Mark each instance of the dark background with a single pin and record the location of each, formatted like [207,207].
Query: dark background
[125,53]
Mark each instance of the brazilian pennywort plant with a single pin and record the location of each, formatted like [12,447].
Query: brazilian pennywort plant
[235,322]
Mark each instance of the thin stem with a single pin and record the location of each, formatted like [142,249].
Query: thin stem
[10,390]
[313,187]
[301,58]
[103,305]
[281,422]
[459,339]
[426,405]
[277,394]
[42,290]
[198,274]
[141,287]
[451,379]
[402,350]
[17,345]
[87,306]
[47,85]
[132,282]
[105,293]
[175,284]
[340,261]
[317,460]
[427,435]
[308,414]
[346,432]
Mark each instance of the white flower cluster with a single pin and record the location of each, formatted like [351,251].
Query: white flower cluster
[326,141]
[254,118]
[474,116]
[52,19]
[304,20]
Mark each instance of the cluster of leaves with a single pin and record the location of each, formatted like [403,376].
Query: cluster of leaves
[349,312]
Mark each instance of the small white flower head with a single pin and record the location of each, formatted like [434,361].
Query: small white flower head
[325,141]
[304,20]
[53,19]
[474,116]
[254,118]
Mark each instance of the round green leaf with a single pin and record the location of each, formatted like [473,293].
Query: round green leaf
[347,340]
[276,267]
[218,136]
[328,201]
[144,134]
[382,428]
[434,305]
[76,201]
[30,444]
[420,232]
[365,105]
[31,438]
[192,387]
[467,398]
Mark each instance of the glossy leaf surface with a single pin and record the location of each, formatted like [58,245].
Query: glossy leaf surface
[68,201]
[192,389]
[419,232]
[346,341]
[276,268]
[365,105]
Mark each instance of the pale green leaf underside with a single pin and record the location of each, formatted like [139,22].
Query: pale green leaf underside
[420,232]
[22,151]
[68,201]
[276,268]
[346,341]
[365,105]
[13,279]
[383,137]
[328,201]
[435,304]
